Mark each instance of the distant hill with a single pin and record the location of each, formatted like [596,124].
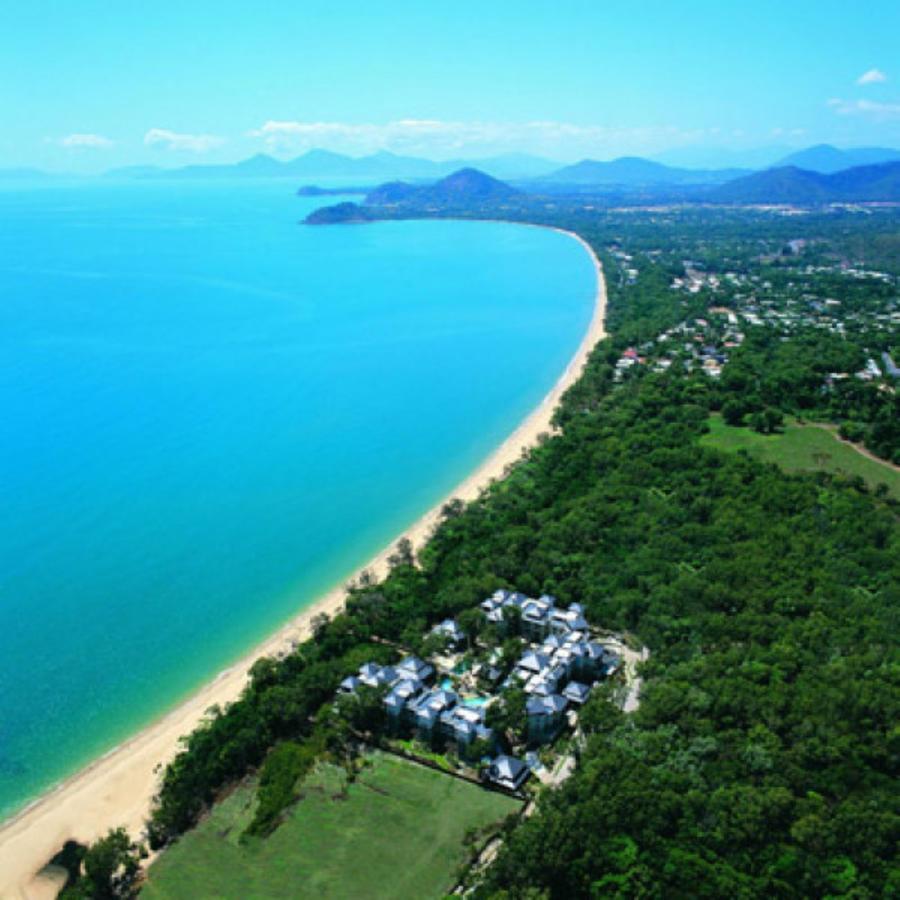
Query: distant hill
[466,189]
[826,159]
[801,186]
[374,168]
[467,186]
[392,192]
[340,214]
[634,171]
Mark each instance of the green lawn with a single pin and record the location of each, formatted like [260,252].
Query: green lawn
[802,448]
[397,832]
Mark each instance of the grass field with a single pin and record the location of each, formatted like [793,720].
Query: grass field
[802,448]
[396,832]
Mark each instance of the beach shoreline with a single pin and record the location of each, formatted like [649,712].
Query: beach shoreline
[118,787]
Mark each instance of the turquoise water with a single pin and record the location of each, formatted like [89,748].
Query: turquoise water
[211,414]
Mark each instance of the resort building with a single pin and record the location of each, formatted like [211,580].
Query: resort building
[507,772]
[546,717]
[556,670]
[451,632]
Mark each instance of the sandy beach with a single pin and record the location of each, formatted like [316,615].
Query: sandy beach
[117,788]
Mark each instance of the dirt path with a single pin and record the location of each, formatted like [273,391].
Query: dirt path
[859,448]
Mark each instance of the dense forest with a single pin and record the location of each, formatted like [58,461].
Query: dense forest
[762,761]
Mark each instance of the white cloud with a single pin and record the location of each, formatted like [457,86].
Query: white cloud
[873,76]
[95,141]
[879,111]
[172,140]
[446,138]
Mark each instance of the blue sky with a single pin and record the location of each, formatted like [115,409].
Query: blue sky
[97,83]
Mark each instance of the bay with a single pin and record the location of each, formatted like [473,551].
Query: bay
[210,414]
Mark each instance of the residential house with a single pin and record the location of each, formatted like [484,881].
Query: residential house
[507,772]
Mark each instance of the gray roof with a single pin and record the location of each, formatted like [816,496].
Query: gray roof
[534,661]
[394,700]
[413,666]
[482,732]
[407,687]
[436,700]
[535,611]
[546,706]
[557,703]
[372,674]
[507,769]
[577,691]
[538,687]
[450,628]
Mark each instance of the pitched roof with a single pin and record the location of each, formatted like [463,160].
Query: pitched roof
[546,706]
[577,691]
[508,766]
[450,628]
[507,770]
[414,666]
[534,661]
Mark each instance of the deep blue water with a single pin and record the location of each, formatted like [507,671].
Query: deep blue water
[209,415]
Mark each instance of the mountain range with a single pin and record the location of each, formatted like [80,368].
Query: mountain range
[826,159]
[816,174]
[634,171]
[790,184]
[373,168]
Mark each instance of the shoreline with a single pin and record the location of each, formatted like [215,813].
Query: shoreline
[118,787]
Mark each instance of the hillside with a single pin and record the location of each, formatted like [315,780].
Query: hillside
[634,171]
[826,159]
[792,185]
[339,214]
[465,189]
[465,186]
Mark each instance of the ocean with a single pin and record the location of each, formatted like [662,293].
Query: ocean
[210,415]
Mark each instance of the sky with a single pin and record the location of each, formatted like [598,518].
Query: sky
[94,84]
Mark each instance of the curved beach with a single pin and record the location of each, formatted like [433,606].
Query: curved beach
[117,788]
